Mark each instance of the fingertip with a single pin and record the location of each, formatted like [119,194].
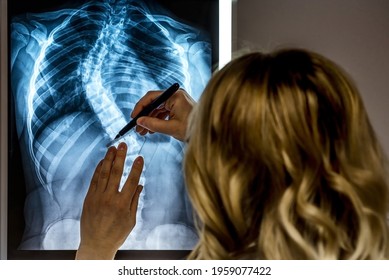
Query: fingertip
[122,146]
[139,160]
[111,150]
[141,122]
[140,130]
[134,112]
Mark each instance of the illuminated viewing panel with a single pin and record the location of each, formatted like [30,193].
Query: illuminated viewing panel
[76,74]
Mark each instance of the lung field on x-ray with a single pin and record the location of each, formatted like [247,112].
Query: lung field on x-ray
[76,75]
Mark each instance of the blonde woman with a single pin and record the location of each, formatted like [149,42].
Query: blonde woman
[281,163]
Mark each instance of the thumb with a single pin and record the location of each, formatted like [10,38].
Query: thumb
[168,127]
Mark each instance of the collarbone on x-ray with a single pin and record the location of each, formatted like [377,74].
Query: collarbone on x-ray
[76,75]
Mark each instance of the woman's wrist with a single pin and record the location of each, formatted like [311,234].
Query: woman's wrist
[89,253]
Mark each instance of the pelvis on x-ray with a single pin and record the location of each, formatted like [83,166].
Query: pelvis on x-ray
[76,75]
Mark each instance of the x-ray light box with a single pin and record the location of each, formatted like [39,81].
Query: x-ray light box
[71,73]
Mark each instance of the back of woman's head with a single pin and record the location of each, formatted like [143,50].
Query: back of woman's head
[283,163]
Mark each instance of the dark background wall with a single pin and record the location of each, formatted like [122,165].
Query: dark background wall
[353,33]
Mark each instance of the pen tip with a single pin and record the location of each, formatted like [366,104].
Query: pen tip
[110,143]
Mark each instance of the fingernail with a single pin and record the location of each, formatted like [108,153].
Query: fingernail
[141,122]
[111,150]
[139,160]
[122,146]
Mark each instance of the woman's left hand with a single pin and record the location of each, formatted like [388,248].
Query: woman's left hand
[109,215]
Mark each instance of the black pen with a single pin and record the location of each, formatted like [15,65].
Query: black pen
[147,110]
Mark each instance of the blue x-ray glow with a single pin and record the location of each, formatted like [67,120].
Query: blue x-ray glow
[76,75]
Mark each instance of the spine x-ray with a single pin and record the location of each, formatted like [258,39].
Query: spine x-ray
[76,74]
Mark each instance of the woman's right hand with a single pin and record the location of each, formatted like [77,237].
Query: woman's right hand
[169,118]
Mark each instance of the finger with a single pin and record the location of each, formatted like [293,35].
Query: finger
[144,101]
[169,104]
[106,169]
[132,181]
[144,132]
[160,114]
[155,113]
[139,129]
[134,204]
[117,168]
[95,178]
[168,127]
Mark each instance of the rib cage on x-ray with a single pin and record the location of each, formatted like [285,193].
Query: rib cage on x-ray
[76,75]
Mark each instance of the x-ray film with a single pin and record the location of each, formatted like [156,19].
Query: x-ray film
[76,74]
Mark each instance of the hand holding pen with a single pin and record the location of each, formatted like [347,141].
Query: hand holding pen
[170,118]
[148,108]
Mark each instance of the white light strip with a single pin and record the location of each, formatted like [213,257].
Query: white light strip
[225,32]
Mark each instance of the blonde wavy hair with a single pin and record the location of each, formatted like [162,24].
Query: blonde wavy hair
[283,163]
